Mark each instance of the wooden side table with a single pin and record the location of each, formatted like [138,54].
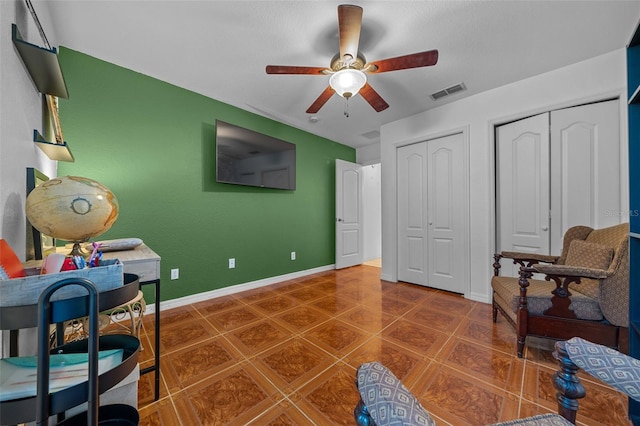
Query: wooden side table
[145,263]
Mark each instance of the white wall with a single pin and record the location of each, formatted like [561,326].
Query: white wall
[369,154]
[595,79]
[20,114]
[371,206]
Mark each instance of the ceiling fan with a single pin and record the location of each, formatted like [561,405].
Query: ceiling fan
[348,70]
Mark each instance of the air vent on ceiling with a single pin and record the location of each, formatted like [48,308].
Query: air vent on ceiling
[448,91]
[374,134]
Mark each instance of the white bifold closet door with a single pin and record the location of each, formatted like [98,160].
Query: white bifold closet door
[554,171]
[432,213]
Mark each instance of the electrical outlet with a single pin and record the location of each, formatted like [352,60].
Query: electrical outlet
[175,274]
[232,263]
[293,255]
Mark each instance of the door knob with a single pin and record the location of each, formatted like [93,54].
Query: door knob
[544,228]
[339,220]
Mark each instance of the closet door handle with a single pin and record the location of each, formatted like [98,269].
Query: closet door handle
[545,228]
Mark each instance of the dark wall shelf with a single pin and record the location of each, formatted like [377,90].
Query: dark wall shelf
[55,151]
[44,68]
[42,64]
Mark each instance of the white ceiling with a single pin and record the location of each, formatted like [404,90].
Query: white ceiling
[220,48]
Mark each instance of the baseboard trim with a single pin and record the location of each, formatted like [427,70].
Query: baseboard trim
[478,297]
[237,288]
[387,277]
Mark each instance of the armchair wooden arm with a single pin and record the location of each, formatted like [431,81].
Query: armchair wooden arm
[522,259]
[574,271]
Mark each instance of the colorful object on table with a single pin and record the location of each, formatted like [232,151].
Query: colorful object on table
[96,256]
[79,262]
[68,265]
[10,265]
[53,263]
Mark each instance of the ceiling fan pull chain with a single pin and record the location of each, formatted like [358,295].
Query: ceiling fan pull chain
[346,107]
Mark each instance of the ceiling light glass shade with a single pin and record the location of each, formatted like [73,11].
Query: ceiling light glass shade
[347,82]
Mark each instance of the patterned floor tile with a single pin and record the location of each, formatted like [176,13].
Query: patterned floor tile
[421,339]
[275,304]
[258,337]
[234,318]
[301,318]
[337,337]
[217,305]
[367,319]
[330,398]
[494,367]
[185,367]
[283,414]
[286,354]
[184,333]
[161,412]
[461,399]
[234,396]
[293,363]
[405,364]
[441,321]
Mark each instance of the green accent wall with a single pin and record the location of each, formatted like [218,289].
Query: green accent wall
[153,145]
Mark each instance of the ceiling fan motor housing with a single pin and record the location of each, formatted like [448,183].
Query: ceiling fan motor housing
[338,63]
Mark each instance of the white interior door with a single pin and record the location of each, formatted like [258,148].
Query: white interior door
[432,213]
[412,213]
[445,213]
[585,168]
[349,239]
[523,200]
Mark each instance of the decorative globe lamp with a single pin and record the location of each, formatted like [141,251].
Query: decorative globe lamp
[72,208]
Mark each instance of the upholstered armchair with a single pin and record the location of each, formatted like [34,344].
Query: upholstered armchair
[585,291]
[384,400]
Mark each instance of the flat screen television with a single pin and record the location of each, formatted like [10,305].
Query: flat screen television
[246,157]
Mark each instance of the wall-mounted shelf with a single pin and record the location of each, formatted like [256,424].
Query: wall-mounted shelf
[42,64]
[44,68]
[635,96]
[55,151]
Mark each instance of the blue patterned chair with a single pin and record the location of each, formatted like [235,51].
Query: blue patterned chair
[384,400]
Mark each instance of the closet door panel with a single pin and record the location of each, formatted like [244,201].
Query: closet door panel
[522,180]
[412,210]
[585,168]
[445,212]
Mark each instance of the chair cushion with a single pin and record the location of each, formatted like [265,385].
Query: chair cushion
[539,298]
[612,367]
[388,401]
[589,255]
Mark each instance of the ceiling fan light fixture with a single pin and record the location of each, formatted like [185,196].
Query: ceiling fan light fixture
[348,82]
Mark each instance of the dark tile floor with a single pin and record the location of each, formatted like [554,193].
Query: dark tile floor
[287,354]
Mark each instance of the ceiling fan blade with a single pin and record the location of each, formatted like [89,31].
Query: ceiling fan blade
[414,60]
[349,24]
[322,99]
[374,99]
[285,69]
